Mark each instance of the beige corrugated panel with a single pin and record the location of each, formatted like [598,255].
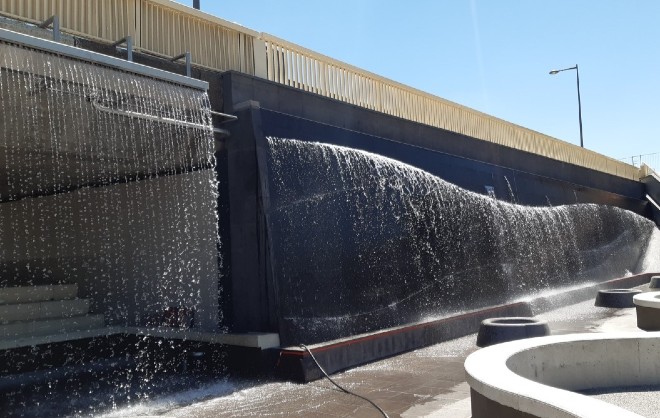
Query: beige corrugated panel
[169,29]
[345,82]
[160,27]
[105,20]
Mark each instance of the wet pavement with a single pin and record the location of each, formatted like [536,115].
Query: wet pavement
[428,382]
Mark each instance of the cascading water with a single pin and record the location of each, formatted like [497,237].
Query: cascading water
[96,193]
[362,242]
[107,181]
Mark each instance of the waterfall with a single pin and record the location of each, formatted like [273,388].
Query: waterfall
[108,181]
[362,242]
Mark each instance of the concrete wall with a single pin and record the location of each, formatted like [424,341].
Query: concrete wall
[304,115]
[134,248]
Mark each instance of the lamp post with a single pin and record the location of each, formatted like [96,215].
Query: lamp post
[577,72]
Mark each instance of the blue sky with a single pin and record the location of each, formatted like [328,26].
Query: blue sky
[494,56]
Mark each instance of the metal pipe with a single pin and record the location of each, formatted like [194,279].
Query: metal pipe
[196,4]
[144,116]
[55,21]
[224,115]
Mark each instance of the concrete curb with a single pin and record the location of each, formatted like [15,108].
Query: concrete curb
[296,364]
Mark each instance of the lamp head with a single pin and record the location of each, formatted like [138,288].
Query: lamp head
[554,72]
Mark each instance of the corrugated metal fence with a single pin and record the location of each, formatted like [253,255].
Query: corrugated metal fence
[165,28]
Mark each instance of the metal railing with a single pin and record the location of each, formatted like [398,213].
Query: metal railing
[650,160]
[167,29]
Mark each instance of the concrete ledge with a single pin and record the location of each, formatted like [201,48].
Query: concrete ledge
[539,376]
[43,310]
[337,355]
[93,327]
[26,294]
[261,340]
[50,326]
[296,364]
[564,297]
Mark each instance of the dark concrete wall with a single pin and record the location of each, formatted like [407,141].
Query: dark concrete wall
[309,116]
[269,109]
[652,183]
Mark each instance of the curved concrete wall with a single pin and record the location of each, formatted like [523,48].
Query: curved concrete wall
[539,376]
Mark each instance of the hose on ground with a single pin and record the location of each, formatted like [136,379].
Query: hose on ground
[304,347]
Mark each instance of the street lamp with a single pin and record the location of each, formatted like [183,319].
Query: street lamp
[577,72]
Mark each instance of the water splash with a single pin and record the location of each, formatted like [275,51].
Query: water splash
[362,242]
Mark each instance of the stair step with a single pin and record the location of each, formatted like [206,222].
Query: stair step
[43,310]
[26,294]
[51,326]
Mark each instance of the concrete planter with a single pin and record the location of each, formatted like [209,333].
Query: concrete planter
[499,330]
[655,282]
[540,377]
[648,311]
[616,298]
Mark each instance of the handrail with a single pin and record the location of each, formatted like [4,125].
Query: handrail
[138,115]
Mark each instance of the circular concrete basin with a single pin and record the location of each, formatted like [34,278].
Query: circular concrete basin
[499,330]
[540,377]
[616,298]
[655,282]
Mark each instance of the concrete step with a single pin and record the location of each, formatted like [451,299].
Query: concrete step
[50,326]
[43,310]
[26,294]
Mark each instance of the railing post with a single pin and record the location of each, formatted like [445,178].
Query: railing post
[129,46]
[187,56]
[259,51]
[55,21]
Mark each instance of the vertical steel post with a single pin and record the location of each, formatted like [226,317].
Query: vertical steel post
[577,72]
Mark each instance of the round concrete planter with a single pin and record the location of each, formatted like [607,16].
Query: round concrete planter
[655,282]
[541,377]
[648,311]
[616,298]
[499,330]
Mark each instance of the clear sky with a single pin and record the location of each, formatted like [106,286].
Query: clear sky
[495,55]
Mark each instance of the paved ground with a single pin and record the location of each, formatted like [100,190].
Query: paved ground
[426,382]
